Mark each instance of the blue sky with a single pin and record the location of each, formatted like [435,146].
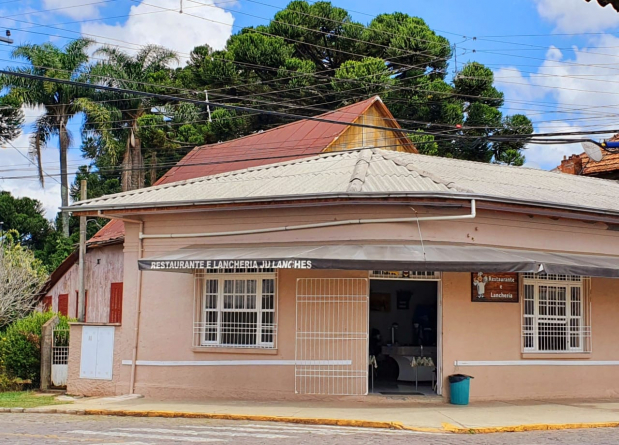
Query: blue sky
[556,60]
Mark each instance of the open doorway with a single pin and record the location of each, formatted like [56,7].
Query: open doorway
[403,328]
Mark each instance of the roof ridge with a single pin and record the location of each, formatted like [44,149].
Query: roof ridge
[396,158]
[307,118]
[359,173]
[344,126]
[220,175]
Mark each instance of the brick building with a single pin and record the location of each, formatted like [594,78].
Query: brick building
[607,168]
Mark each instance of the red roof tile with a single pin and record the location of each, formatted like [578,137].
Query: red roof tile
[287,142]
[609,163]
[583,165]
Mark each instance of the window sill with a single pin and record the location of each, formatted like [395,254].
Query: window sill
[216,350]
[558,355]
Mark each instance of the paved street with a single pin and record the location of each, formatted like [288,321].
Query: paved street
[46,429]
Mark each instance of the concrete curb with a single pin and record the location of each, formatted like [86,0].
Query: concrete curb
[446,427]
[524,428]
[257,418]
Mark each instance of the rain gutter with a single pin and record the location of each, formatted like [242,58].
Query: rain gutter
[471,215]
[325,196]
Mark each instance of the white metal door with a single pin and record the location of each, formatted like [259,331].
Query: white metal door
[332,336]
[60,357]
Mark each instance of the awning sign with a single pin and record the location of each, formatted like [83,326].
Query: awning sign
[494,287]
[225,264]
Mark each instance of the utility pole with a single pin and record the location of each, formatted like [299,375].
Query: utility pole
[81,293]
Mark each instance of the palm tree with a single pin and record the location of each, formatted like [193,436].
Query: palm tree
[135,72]
[58,101]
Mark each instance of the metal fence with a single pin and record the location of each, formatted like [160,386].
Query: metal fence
[60,356]
[331,355]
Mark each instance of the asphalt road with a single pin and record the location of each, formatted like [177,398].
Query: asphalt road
[44,429]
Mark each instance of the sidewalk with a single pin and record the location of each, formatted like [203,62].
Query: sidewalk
[427,416]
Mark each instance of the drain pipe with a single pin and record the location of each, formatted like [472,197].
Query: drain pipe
[470,215]
[138,300]
[138,306]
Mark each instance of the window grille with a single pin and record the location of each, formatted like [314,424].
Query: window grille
[404,275]
[556,314]
[235,310]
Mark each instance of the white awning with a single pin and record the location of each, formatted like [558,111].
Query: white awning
[413,257]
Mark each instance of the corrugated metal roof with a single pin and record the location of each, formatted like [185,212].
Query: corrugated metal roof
[368,171]
[296,140]
[284,143]
[112,231]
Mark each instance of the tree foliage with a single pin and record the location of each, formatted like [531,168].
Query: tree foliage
[58,100]
[25,217]
[116,123]
[11,118]
[20,346]
[21,277]
[315,57]
[309,59]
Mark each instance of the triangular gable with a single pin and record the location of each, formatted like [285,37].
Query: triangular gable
[377,115]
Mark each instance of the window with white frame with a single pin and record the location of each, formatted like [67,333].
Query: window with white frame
[236,310]
[556,314]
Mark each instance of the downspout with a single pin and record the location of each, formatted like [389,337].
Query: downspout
[138,304]
[138,300]
[470,215]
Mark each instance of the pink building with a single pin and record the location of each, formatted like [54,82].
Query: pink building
[356,272]
[299,139]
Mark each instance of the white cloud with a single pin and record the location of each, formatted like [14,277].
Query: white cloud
[576,16]
[14,165]
[76,9]
[548,157]
[198,25]
[516,86]
[571,91]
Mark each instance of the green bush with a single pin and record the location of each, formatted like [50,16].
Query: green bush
[20,346]
[12,383]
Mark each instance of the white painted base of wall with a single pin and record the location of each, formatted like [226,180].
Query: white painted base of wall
[239,363]
[558,362]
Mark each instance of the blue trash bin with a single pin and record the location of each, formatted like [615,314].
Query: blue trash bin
[459,388]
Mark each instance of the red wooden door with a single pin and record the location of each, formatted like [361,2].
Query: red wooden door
[116,303]
[47,303]
[63,304]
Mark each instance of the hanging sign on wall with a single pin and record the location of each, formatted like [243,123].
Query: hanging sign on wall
[494,287]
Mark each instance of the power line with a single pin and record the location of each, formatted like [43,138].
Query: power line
[263,67]
[264,158]
[231,107]
[32,162]
[199,102]
[388,88]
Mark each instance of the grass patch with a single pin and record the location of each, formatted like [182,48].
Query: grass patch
[26,399]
